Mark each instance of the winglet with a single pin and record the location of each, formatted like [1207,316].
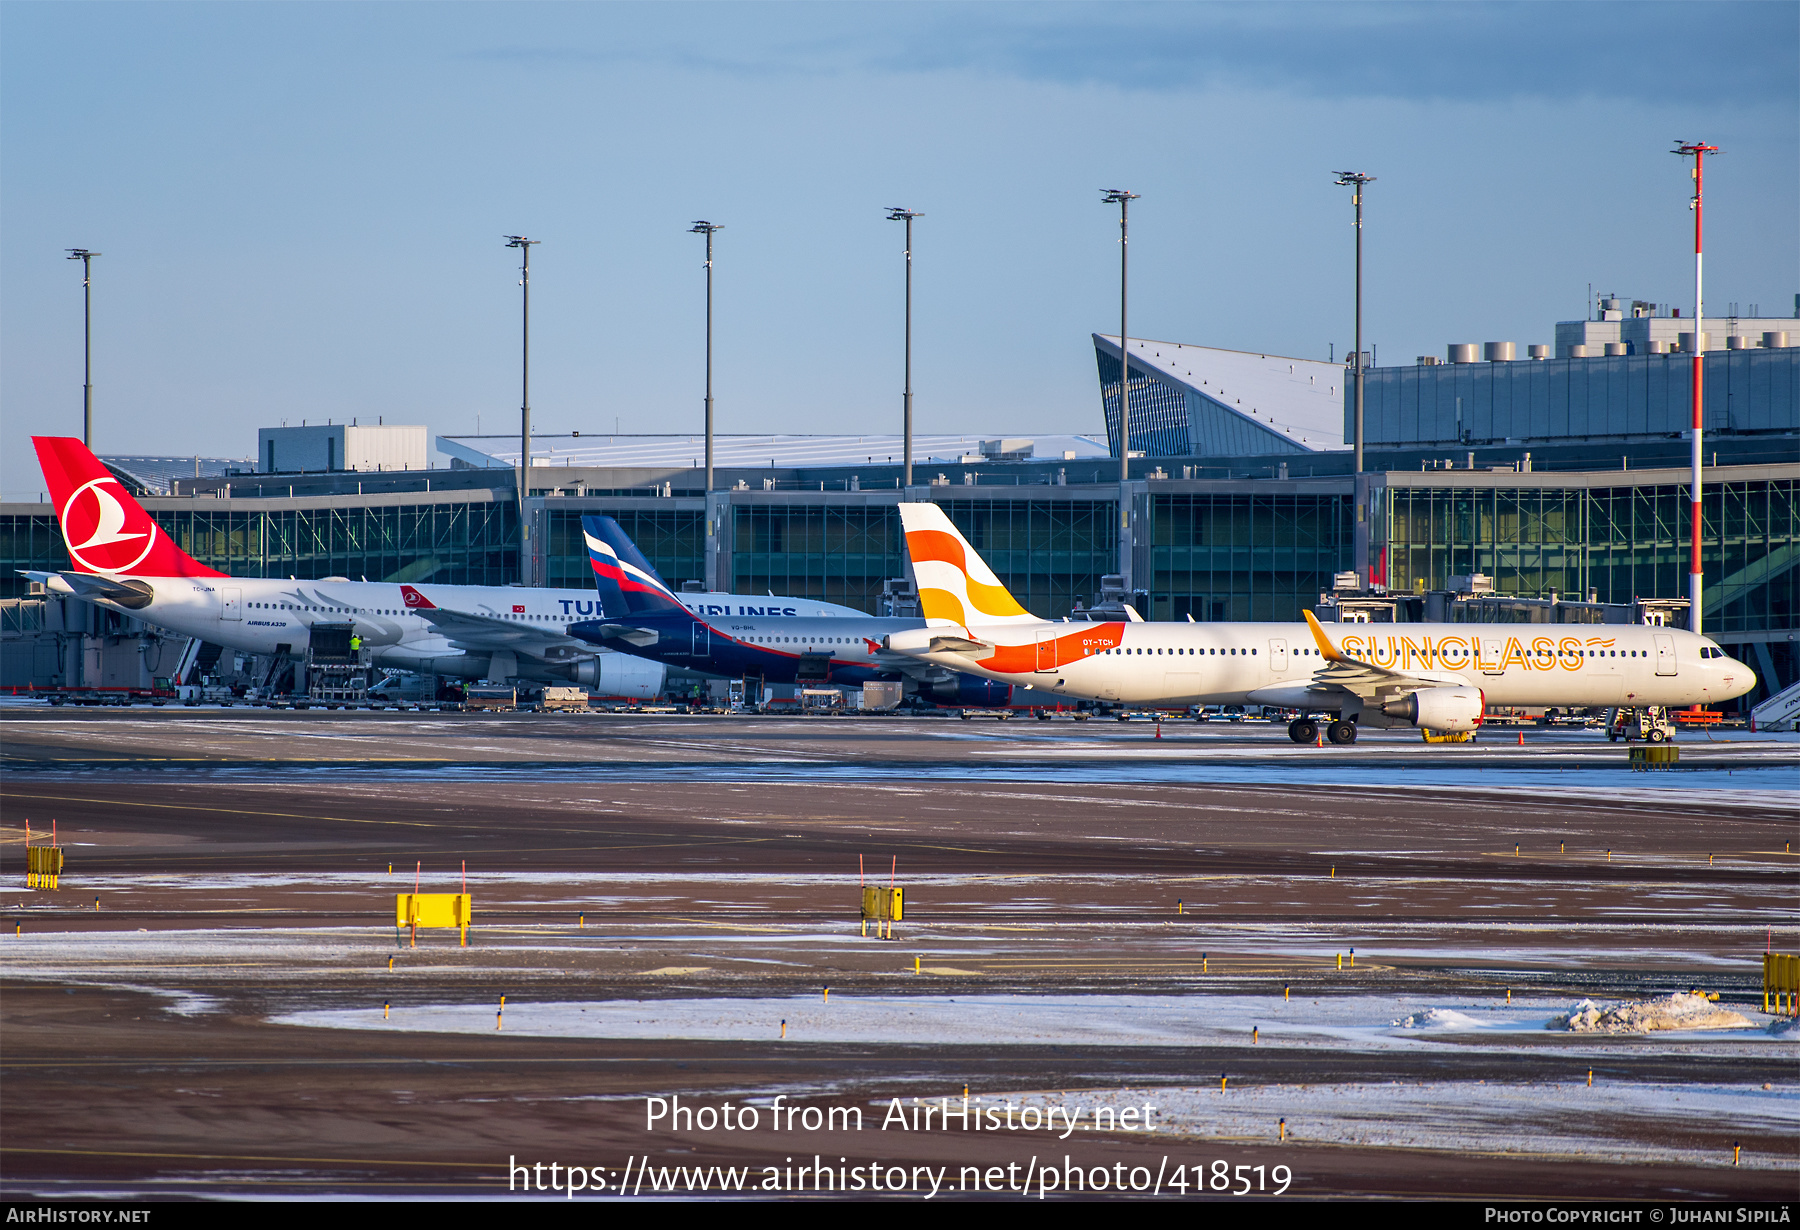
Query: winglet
[414,600]
[1326,650]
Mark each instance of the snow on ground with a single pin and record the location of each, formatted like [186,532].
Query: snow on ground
[1667,1123]
[1609,1121]
[1337,1022]
[1680,1010]
[1496,947]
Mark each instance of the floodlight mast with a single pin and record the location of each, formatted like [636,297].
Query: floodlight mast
[1697,150]
[712,553]
[1355,181]
[525,548]
[87,342]
[899,213]
[1123,199]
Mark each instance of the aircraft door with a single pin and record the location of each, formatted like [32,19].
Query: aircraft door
[1665,654]
[232,604]
[1489,653]
[1046,650]
[702,641]
[1278,661]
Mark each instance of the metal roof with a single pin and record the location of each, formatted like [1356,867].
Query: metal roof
[156,474]
[1299,399]
[749,452]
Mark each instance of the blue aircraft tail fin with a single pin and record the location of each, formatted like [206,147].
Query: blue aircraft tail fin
[627,584]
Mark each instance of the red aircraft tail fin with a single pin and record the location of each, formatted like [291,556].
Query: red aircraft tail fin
[107,532]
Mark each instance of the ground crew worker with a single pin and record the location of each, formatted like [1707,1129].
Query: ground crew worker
[355,643]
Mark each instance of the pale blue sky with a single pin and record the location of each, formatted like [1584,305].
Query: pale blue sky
[301,206]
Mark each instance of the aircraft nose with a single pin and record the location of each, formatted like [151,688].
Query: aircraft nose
[1743,679]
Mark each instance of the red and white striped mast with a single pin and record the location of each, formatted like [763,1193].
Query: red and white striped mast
[1697,150]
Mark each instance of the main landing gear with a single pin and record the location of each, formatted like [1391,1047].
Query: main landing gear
[1306,730]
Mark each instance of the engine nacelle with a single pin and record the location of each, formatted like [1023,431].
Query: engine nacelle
[970,691]
[617,674]
[1446,708]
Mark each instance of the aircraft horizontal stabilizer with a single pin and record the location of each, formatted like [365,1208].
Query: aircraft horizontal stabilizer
[132,595]
[625,632]
[959,644]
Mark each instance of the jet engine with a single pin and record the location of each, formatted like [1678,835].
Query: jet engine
[969,691]
[616,674]
[1445,708]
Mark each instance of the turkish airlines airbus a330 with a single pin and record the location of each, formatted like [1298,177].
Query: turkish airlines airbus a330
[121,558]
[1439,677]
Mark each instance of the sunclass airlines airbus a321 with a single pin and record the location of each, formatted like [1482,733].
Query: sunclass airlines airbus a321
[1440,677]
[122,558]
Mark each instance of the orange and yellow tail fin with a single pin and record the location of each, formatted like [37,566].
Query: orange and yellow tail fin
[955,584]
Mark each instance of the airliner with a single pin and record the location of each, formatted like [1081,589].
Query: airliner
[122,559]
[640,615]
[1439,677]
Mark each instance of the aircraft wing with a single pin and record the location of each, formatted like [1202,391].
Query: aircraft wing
[905,664]
[131,594]
[1366,680]
[473,632]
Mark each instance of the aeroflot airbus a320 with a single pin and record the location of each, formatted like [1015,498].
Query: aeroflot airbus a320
[1437,676]
[640,615]
[121,558]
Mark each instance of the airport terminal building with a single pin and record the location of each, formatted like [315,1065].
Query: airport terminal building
[1566,476]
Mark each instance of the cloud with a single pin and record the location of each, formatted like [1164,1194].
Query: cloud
[1736,52]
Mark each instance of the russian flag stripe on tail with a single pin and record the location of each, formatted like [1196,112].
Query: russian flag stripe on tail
[627,584]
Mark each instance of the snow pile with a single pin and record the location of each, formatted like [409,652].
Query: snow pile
[1681,1010]
[1786,1027]
[1437,1018]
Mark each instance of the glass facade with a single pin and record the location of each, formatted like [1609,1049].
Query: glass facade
[672,539]
[455,543]
[450,543]
[29,540]
[1215,555]
[1231,555]
[1624,542]
[833,552]
[1159,412]
[1049,553]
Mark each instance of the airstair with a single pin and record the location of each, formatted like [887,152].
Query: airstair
[1780,712]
